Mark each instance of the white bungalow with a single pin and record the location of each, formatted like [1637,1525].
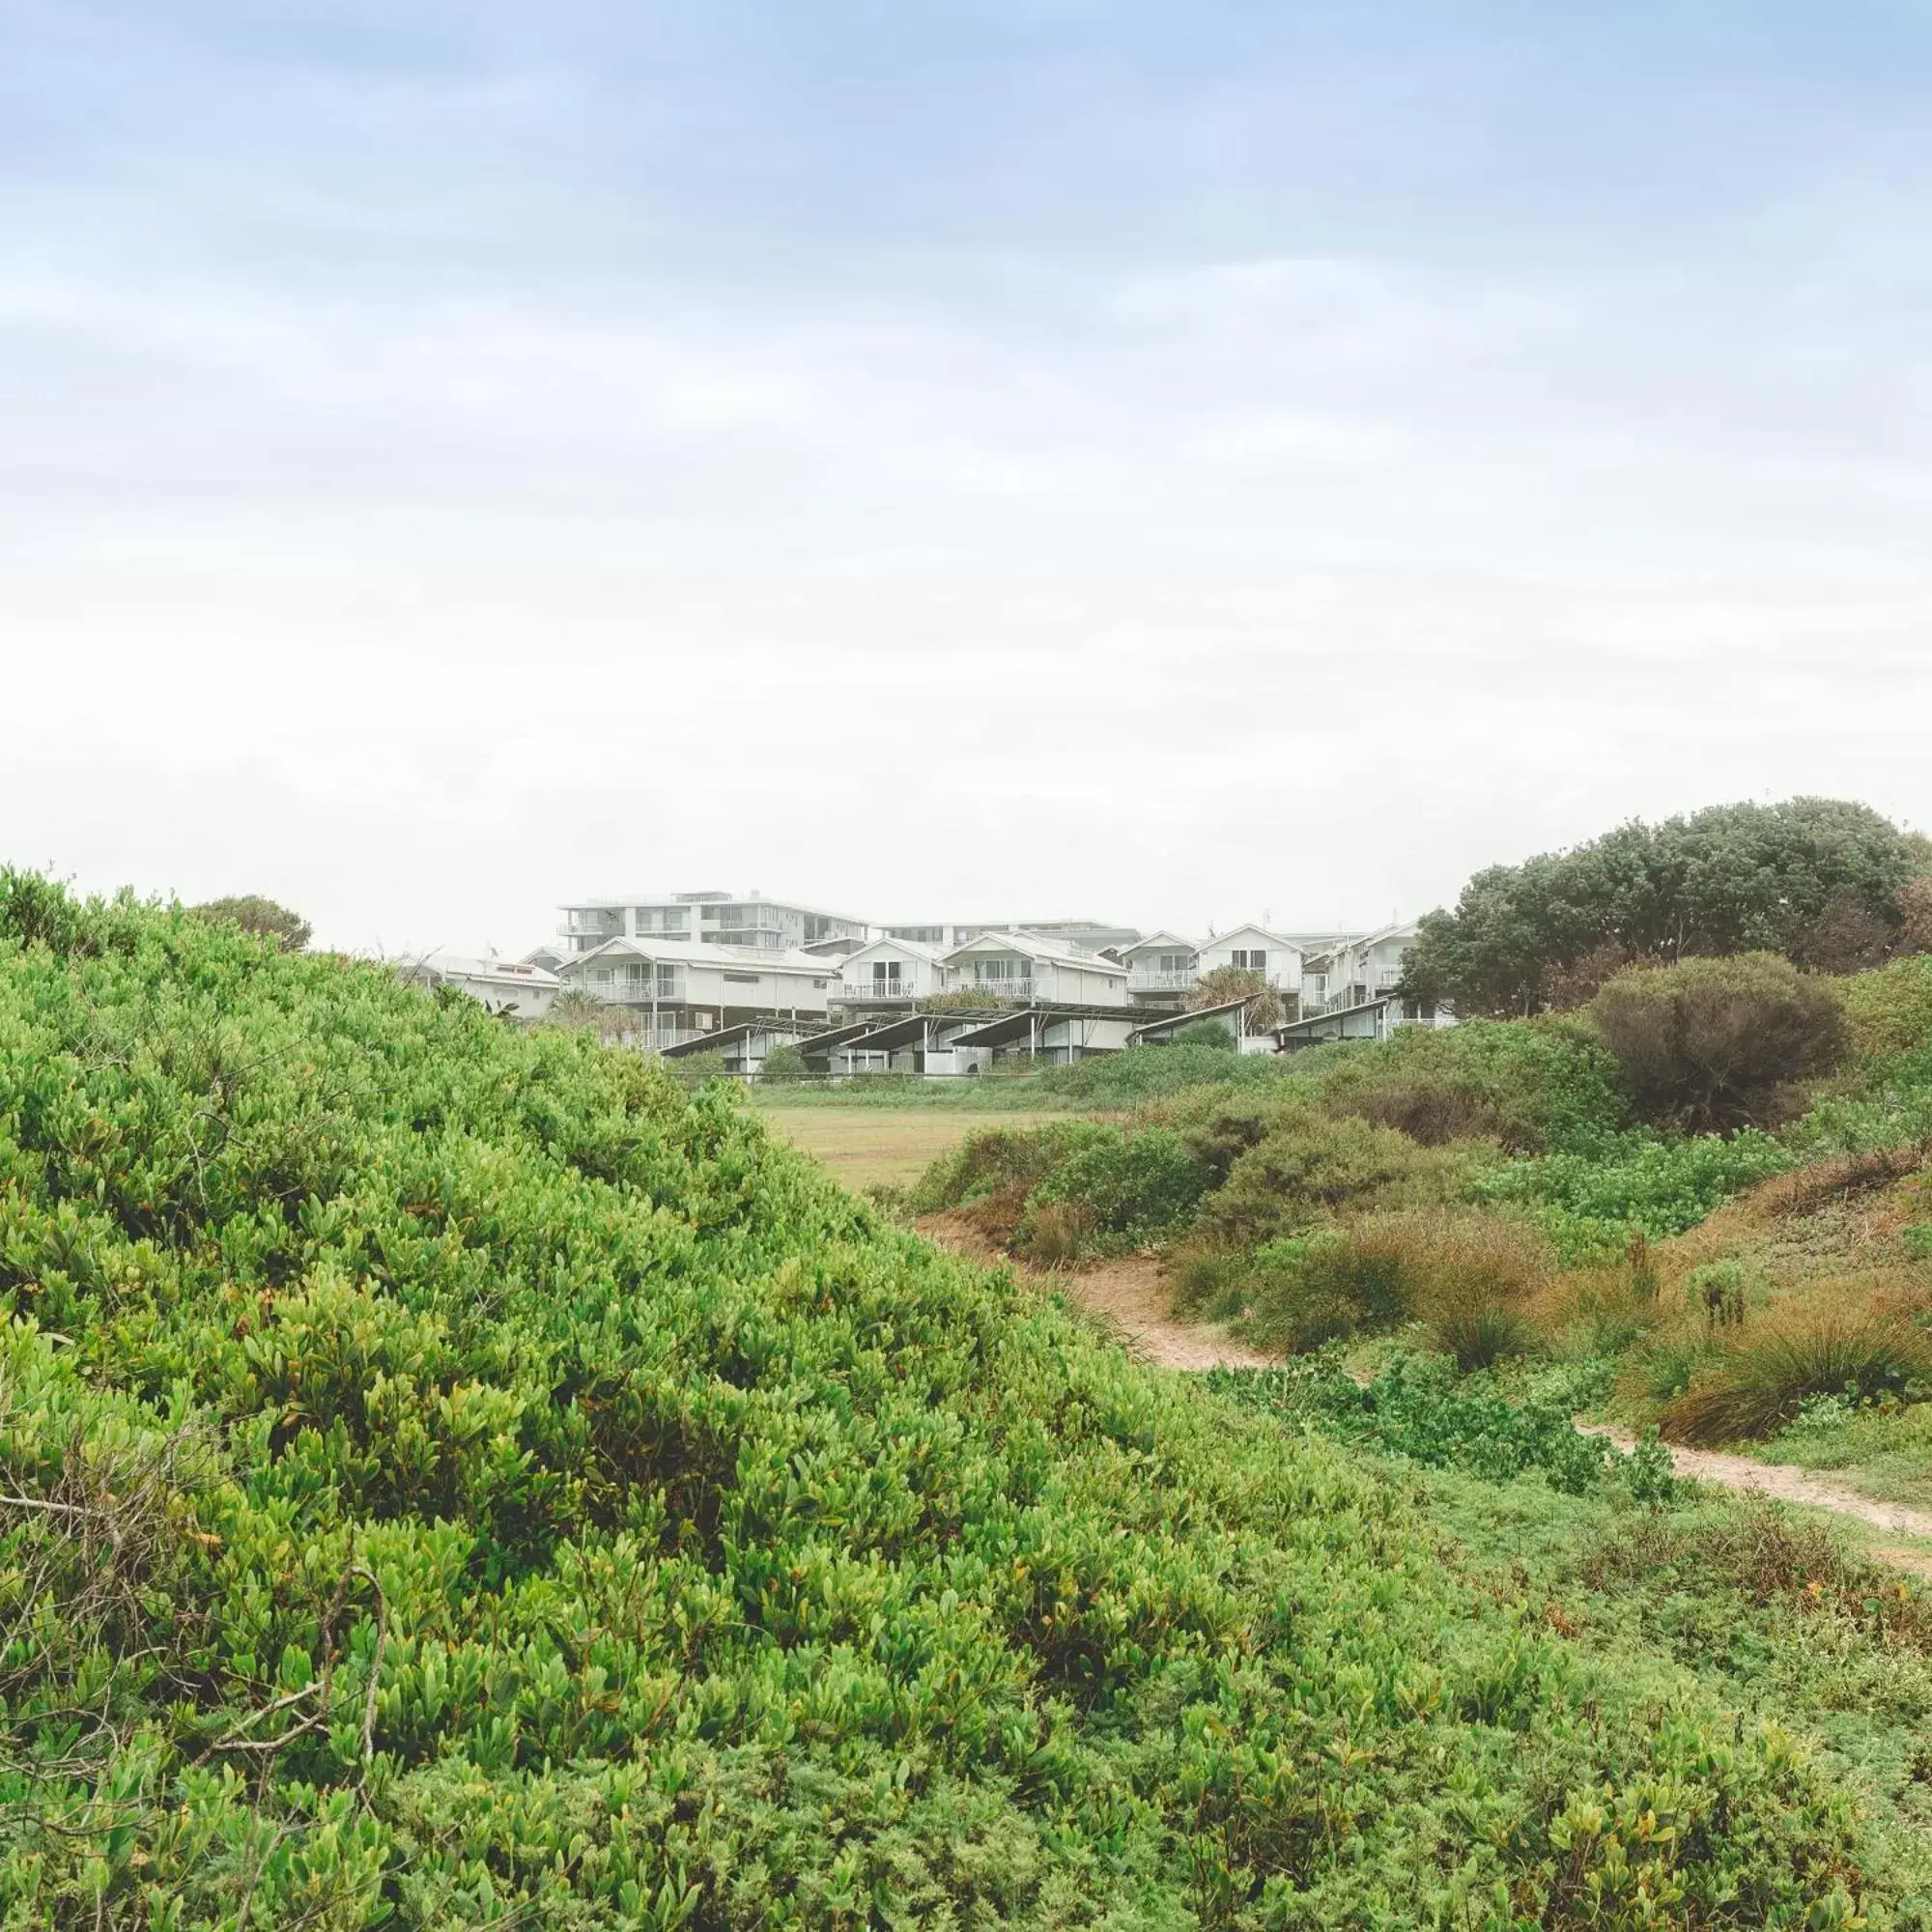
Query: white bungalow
[1018,967]
[517,989]
[1162,969]
[1253,949]
[890,973]
[676,989]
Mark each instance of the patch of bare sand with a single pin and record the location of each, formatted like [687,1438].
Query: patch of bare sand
[1128,1294]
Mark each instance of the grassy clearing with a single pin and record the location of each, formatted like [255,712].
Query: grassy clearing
[874,1145]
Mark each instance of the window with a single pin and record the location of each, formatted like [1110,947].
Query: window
[996,969]
[886,974]
[1172,962]
[820,983]
[742,978]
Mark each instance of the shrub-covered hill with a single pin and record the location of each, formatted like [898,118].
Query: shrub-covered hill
[448,1478]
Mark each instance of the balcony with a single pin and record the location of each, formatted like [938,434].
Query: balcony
[1147,979]
[637,992]
[1019,991]
[870,992]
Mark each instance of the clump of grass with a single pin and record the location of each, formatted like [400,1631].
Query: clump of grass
[1056,1231]
[1467,1277]
[1757,1385]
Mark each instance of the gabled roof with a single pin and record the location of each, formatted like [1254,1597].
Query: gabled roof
[933,955]
[1029,947]
[1253,931]
[1160,942]
[694,953]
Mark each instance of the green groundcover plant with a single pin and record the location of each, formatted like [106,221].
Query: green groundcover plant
[450,1477]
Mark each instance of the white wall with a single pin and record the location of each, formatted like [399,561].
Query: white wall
[1284,962]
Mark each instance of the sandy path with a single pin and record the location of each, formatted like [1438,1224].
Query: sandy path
[1785,1481]
[1128,1294]
[1131,1296]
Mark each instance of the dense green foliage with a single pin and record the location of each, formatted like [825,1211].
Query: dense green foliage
[453,1479]
[1588,1205]
[1420,1408]
[1536,1086]
[1817,879]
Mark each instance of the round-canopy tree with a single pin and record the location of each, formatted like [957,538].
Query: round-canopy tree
[265,917]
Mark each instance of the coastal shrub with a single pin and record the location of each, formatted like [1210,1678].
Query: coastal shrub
[1758,1383]
[1305,1169]
[450,1477]
[1533,1085]
[1467,1277]
[1714,1044]
[1889,1011]
[1129,1186]
[784,1067]
[1214,1035]
[1146,1073]
[994,1160]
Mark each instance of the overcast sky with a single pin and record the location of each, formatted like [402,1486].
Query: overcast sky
[1015,457]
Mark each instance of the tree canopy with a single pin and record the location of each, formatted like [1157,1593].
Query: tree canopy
[263,917]
[1816,879]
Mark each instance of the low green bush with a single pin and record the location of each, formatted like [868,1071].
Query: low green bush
[1305,1169]
[1534,1085]
[1588,1205]
[1129,1185]
[1421,1407]
[1888,1013]
[1214,1035]
[1714,1044]
[784,1067]
[991,1160]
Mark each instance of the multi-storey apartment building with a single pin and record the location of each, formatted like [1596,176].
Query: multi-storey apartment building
[706,919]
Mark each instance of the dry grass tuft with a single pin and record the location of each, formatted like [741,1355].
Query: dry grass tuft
[1755,1385]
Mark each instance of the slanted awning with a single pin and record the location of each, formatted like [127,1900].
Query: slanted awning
[1167,1025]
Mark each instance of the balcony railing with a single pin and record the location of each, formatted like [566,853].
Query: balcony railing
[1003,990]
[636,992]
[881,989]
[1146,980]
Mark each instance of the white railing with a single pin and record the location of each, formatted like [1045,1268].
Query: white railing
[880,989]
[1002,990]
[1146,980]
[636,992]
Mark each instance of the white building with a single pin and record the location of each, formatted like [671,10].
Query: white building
[1162,969]
[514,987]
[890,973]
[1349,971]
[1275,956]
[678,988]
[705,919]
[1022,968]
